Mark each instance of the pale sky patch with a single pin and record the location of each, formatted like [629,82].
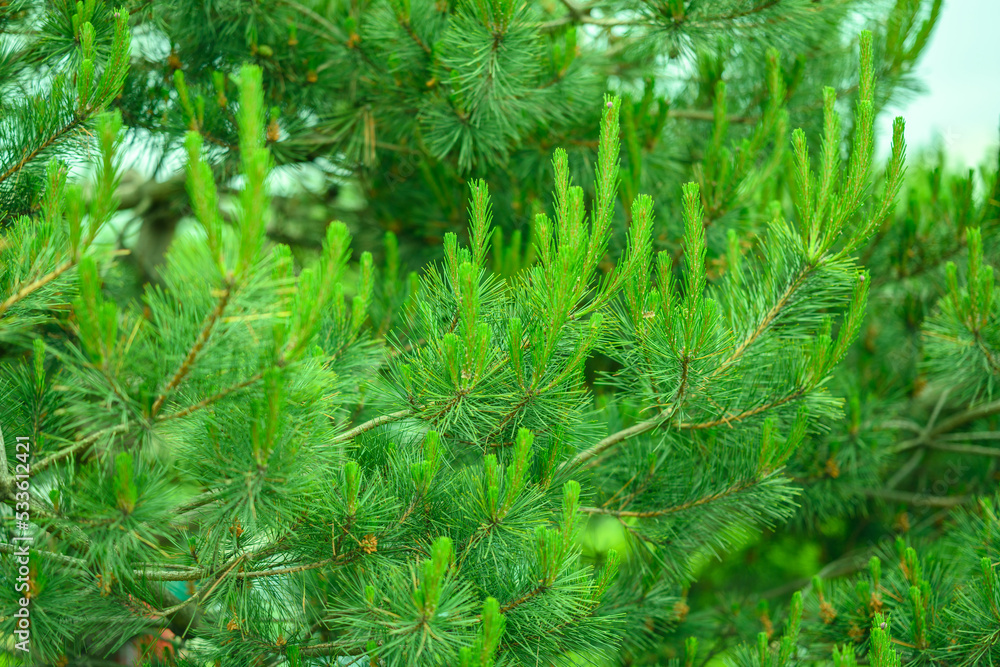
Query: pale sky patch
[961,70]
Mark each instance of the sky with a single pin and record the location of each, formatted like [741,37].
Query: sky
[961,70]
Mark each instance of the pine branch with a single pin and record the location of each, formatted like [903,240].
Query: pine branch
[971,435]
[972,414]
[918,499]
[736,488]
[965,449]
[196,574]
[549,26]
[48,142]
[212,399]
[614,439]
[372,423]
[36,285]
[767,320]
[663,417]
[991,360]
[200,593]
[693,426]
[650,424]
[330,649]
[192,354]
[697,114]
[514,604]
[906,469]
[419,42]
[203,499]
[77,447]
[69,561]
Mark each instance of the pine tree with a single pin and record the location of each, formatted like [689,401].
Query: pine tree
[83,58]
[417,502]
[258,462]
[406,102]
[939,578]
[905,484]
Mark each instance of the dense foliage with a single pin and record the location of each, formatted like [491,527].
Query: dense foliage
[599,430]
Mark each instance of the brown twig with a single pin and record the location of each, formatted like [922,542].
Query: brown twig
[966,449]
[35,285]
[676,508]
[918,499]
[192,354]
[652,423]
[76,447]
[211,399]
[614,439]
[372,423]
[694,426]
[201,592]
[972,414]
[31,155]
[537,590]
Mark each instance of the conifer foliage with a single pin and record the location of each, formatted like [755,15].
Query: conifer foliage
[268,461]
[241,459]
[86,71]
[410,100]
